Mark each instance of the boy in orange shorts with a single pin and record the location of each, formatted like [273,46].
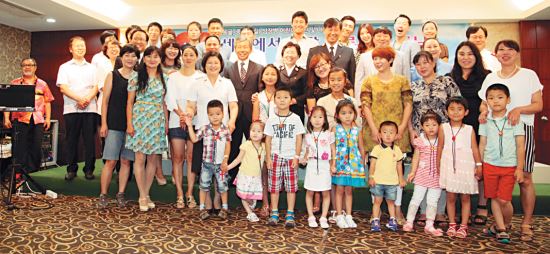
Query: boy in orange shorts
[502,149]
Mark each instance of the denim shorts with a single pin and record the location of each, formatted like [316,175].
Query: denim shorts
[114,147]
[178,133]
[387,191]
[208,170]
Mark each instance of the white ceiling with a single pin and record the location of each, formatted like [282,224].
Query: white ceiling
[71,15]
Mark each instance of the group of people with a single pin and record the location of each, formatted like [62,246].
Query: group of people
[348,115]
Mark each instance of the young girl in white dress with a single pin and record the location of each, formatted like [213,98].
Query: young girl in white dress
[318,156]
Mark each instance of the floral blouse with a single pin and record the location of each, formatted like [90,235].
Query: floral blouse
[433,97]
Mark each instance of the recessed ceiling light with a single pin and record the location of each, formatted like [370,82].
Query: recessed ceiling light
[50,20]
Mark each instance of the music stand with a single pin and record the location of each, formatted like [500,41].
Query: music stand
[17,98]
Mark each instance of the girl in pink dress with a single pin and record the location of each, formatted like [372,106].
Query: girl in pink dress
[459,162]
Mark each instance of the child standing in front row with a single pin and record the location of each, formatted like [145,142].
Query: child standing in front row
[249,179]
[385,174]
[216,146]
[459,162]
[318,140]
[425,175]
[502,147]
[348,171]
[283,143]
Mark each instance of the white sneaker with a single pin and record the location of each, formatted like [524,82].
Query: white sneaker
[341,221]
[332,218]
[323,222]
[311,222]
[350,222]
[252,217]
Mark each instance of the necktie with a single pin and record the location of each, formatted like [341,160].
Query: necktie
[331,51]
[243,72]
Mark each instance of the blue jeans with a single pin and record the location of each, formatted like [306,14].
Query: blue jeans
[210,169]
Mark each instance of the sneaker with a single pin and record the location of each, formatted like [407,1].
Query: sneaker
[350,222]
[323,222]
[392,225]
[274,218]
[312,222]
[408,227]
[375,225]
[252,217]
[332,218]
[341,221]
[223,214]
[70,176]
[120,199]
[289,219]
[432,231]
[103,201]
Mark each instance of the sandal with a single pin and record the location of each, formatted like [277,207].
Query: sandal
[204,214]
[526,232]
[503,237]
[451,231]
[179,203]
[274,218]
[439,222]
[490,231]
[481,219]
[191,203]
[421,221]
[316,210]
[289,219]
[462,232]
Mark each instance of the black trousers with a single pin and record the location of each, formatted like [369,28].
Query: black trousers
[242,127]
[28,144]
[77,124]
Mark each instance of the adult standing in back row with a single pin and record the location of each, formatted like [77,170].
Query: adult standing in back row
[299,26]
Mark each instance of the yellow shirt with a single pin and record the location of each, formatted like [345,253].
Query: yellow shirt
[250,164]
[385,171]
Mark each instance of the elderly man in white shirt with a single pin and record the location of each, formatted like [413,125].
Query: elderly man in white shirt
[299,26]
[77,80]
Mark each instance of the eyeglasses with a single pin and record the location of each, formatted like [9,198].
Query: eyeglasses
[28,65]
[318,67]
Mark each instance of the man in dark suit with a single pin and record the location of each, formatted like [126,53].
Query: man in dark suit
[245,76]
[341,56]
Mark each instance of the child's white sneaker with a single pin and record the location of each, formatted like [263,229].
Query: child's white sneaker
[332,218]
[323,222]
[312,222]
[341,221]
[252,217]
[350,222]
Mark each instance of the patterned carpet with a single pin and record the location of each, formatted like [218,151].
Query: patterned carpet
[75,225]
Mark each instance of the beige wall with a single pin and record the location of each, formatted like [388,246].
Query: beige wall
[15,44]
[500,31]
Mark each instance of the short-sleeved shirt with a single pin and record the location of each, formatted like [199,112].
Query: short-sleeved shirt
[329,104]
[522,86]
[284,130]
[495,154]
[42,95]
[213,143]
[490,61]
[80,78]
[267,106]
[387,157]
[253,159]
[203,92]
[177,90]
[103,67]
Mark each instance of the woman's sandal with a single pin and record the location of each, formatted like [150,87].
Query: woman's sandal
[274,218]
[451,231]
[289,220]
[191,203]
[491,230]
[481,219]
[526,232]
[421,221]
[179,203]
[503,237]
[462,232]
[441,222]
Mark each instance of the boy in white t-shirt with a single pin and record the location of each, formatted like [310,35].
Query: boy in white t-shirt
[283,143]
